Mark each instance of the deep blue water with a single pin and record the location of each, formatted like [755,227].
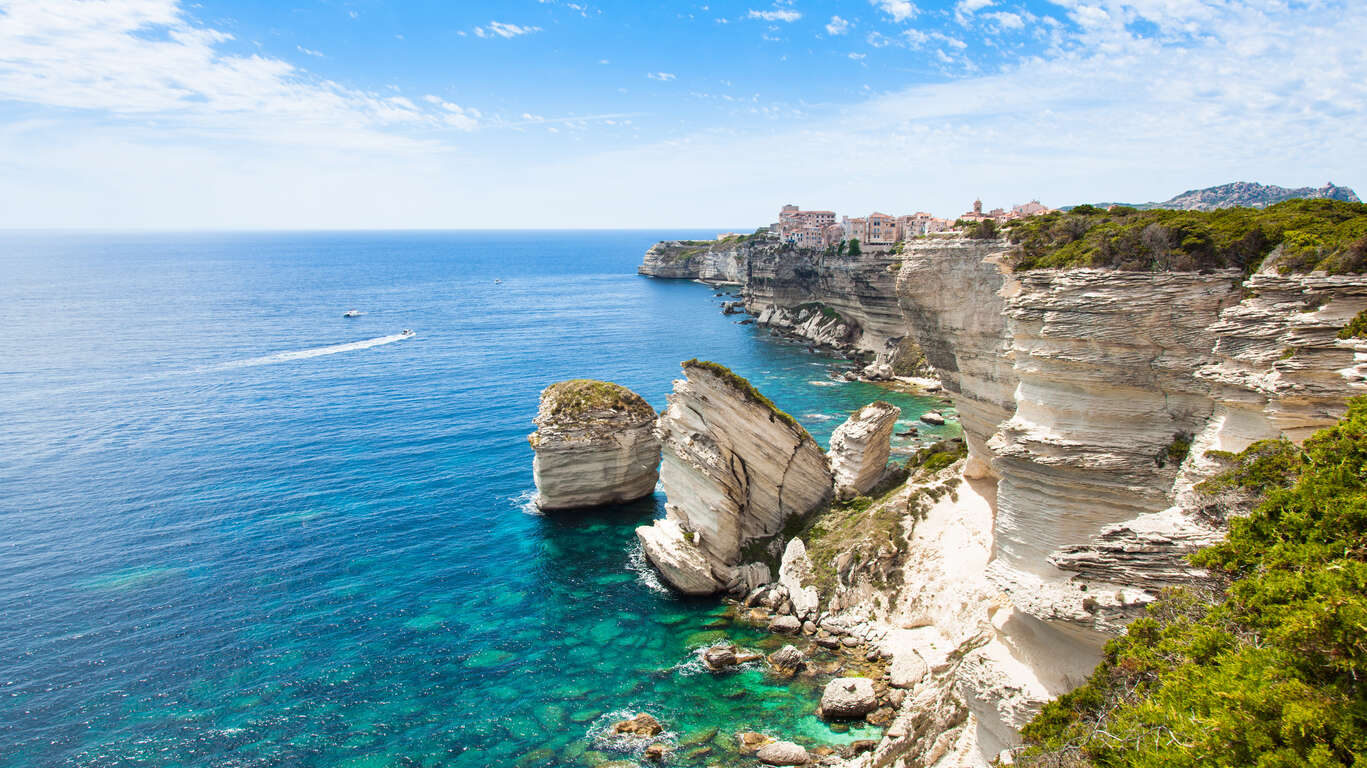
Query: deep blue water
[237,529]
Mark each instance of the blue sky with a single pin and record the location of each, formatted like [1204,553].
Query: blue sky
[573,113]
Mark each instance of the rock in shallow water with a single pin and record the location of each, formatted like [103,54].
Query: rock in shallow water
[642,724]
[595,444]
[782,753]
[848,697]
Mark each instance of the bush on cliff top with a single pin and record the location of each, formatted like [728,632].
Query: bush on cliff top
[580,397]
[1272,673]
[1327,235]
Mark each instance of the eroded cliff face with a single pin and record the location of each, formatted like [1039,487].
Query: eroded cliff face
[832,297]
[1089,400]
[711,262]
[735,472]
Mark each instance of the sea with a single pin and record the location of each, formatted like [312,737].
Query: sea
[240,529]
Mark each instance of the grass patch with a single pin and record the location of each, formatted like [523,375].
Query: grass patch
[589,397]
[1327,235]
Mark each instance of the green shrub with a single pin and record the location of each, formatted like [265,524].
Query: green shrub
[1356,328]
[1327,235]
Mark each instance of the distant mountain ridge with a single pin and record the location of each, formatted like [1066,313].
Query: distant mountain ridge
[1246,194]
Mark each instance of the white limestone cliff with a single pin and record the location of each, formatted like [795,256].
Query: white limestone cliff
[860,448]
[1089,399]
[595,444]
[736,470]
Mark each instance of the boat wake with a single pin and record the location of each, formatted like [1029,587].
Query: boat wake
[304,354]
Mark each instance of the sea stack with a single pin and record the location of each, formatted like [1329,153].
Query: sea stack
[736,470]
[594,444]
[860,448]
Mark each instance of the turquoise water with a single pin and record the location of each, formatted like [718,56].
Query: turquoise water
[240,530]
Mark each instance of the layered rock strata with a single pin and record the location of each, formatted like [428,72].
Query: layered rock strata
[713,262]
[860,448]
[831,297]
[1090,400]
[595,444]
[834,297]
[736,470]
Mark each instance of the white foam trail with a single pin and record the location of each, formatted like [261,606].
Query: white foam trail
[304,354]
[826,383]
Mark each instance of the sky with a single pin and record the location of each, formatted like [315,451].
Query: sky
[339,114]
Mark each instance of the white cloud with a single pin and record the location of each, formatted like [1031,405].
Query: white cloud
[838,26]
[1215,90]
[500,29]
[661,76]
[899,10]
[308,51]
[778,14]
[858,56]
[967,7]
[98,57]
[1006,20]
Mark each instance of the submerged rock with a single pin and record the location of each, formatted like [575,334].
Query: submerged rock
[860,448]
[748,742]
[736,470]
[595,444]
[642,724]
[848,697]
[726,656]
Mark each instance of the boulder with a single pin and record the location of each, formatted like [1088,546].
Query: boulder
[655,753]
[736,471]
[848,697]
[782,753]
[933,417]
[719,657]
[675,553]
[594,444]
[860,448]
[785,625]
[787,660]
[795,574]
[642,724]
[907,669]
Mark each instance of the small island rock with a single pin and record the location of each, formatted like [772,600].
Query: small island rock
[595,444]
[642,724]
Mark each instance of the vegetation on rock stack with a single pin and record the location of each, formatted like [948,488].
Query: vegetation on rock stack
[746,389]
[1272,673]
[1328,235]
[588,397]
